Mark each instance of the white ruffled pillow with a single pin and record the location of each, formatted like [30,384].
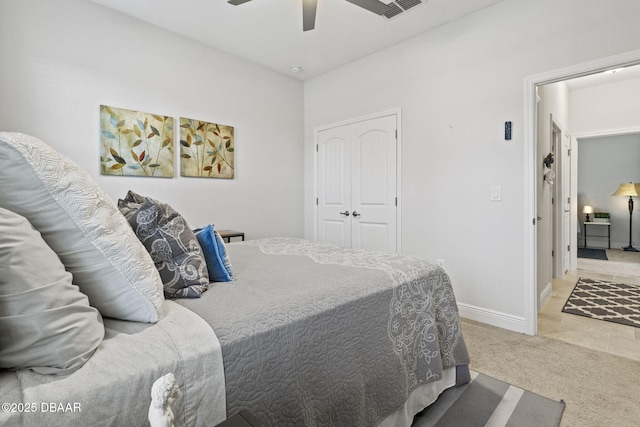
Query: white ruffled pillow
[81,224]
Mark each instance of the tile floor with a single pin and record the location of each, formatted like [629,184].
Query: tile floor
[596,334]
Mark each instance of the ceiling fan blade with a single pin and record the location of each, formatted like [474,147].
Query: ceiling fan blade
[374,6]
[309,14]
[237,2]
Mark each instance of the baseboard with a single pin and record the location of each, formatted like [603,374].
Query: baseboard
[492,317]
[544,295]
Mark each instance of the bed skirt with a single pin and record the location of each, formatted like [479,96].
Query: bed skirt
[425,395]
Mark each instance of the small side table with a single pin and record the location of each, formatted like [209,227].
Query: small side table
[228,234]
[608,224]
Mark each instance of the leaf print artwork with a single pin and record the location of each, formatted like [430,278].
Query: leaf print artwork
[206,149]
[134,143]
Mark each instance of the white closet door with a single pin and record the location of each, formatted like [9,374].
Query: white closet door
[334,188]
[357,184]
[373,184]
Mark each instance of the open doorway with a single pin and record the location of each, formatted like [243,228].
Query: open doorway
[564,104]
[539,233]
[607,161]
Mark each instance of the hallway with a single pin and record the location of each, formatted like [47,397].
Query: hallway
[596,334]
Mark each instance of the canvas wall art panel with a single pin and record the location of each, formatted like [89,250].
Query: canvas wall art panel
[133,143]
[206,149]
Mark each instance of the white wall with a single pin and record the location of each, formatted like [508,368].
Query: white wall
[457,85]
[59,60]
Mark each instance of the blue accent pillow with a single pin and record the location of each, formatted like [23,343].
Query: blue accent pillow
[215,254]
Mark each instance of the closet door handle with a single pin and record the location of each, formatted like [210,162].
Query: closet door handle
[356,214]
[345,213]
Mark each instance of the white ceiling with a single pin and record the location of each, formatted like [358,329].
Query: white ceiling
[606,77]
[269,32]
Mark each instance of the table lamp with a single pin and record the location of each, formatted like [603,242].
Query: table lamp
[588,210]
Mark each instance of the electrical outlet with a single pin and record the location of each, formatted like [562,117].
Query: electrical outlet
[440,263]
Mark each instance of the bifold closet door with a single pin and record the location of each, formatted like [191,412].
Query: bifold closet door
[357,184]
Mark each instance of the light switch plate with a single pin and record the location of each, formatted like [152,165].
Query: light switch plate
[496,193]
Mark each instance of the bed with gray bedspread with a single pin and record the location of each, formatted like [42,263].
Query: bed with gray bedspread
[114,387]
[316,335]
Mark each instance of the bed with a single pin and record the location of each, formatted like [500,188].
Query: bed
[313,334]
[306,333]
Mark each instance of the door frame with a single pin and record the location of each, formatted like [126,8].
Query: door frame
[393,112]
[563,175]
[531,176]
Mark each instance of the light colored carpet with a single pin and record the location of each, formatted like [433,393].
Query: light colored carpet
[599,389]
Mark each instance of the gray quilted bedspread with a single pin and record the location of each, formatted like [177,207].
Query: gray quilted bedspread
[114,387]
[316,335]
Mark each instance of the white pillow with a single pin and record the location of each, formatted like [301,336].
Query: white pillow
[47,324]
[81,224]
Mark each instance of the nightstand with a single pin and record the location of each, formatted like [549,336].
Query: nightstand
[228,234]
[608,236]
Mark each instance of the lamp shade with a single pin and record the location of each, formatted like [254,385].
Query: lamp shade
[587,209]
[628,190]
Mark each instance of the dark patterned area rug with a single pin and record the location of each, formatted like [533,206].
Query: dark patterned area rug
[592,253]
[599,299]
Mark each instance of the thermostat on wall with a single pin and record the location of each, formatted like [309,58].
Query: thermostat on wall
[507,131]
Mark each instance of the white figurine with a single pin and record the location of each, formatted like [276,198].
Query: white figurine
[163,393]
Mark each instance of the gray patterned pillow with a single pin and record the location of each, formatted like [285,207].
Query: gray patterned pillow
[171,243]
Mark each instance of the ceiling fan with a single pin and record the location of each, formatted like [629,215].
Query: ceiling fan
[309,9]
